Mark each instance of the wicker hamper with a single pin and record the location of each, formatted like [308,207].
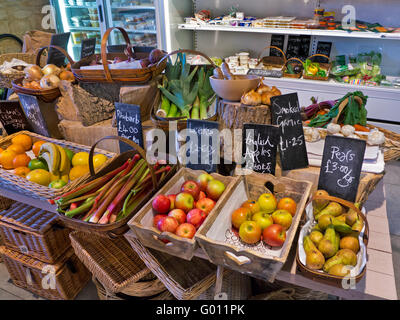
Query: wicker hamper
[70,275]
[33,232]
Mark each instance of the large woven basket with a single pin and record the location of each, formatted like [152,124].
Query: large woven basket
[293,61]
[20,185]
[326,66]
[142,75]
[70,275]
[7,78]
[391,148]
[270,62]
[33,232]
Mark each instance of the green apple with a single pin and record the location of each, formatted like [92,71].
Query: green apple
[283,218]
[263,219]
[57,184]
[267,202]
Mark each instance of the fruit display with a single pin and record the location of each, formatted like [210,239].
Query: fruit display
[114,195]
[332,239]
[265,219]
[46,163]
[48,77]
[183,213]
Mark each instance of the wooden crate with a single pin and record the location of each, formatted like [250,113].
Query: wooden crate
[142,222]
[223,247]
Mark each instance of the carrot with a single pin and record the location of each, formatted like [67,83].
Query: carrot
[359,127]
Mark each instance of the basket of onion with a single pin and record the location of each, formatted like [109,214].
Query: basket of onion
[44,82]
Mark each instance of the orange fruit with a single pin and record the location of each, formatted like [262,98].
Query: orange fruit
[22,171]
[77,172]
[21,160]
[287,204]
[23,140]
[1,150]
[6,159]
[36,147]
[17,148]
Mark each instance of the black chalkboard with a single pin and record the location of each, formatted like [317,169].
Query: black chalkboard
[55,56]
[285,110]
[202,144]
[12,117]
[323,47]
[33,114]
[277,40]
[305,47]
[341,166]
[129,124]
[88,47]
[293,49]
[259,146]
[265,73]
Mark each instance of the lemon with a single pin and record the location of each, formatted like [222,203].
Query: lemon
[99,160]
[80,159]
[39,176]
[78,171]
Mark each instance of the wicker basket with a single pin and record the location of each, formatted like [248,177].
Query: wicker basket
[325,66]
[391,147]
[142,75]
[186,280]
[296,75]
[14,183]
[118,228]
[70,275]
[33,232]
[272,62]
[115,265]
[7,78]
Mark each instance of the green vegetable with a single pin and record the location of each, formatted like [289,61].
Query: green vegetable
[173,111]
[206,93]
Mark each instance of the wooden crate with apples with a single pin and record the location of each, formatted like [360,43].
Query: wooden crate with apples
[262,255]
[177,238]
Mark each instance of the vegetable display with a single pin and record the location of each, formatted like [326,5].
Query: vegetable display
[313,69]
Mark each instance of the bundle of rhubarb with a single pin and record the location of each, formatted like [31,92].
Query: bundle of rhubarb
[113,196]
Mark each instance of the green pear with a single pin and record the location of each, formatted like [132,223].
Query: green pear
[319,204]
[351,217]
[316,237]
[333,208]
[339,270]
[344,257]
[324,221]
[329,243]
[314,258]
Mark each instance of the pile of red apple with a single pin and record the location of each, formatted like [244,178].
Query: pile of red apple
[265,219]
[184,213]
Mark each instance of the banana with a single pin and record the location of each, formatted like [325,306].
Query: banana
[64,167]
[50,153]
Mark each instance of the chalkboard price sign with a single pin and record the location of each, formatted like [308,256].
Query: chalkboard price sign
[293,49]
[341,166]
[12,117]
[33,114]
[285,111]
[323,47]
[265,73]
[88,47]
[55,56]
[129,124]
[277,40]
[259,147]
[202,144]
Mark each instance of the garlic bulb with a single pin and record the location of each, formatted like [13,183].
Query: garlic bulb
[354,136]
[348,130]
[311,134]
[376,138]
[338,135]
[333,128]
[251,98]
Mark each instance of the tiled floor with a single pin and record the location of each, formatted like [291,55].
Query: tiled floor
[392,185]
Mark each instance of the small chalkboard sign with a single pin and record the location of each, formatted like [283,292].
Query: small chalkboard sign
[33,114]
[305,47]
[285,110]
[323,47]
[129,124]
[88,47]
[55,56]
[202,144]
[341,166]
[277,40]
[265,73]
[259,146]
[293,47]
[12,117]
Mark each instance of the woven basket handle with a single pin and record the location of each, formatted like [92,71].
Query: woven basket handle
[273,47]
[349,205]
[135,146]
[65,53]
[104,49]
[187,51]
[343,105]
[319,55]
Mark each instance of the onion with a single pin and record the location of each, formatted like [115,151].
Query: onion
[50,81]
[33,73]
[51,69]
[67,75]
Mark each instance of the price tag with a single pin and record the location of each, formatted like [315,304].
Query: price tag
[88,47]
[33,114]
[12,117]
[341,166]
[56,57]
[265,73]
[285,111]
[129,124]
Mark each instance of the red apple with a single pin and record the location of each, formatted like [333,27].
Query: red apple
[161,204]
[274,235]
[250,232]
[184,201]
[239,216]
[214,190]
[203,180]
[172,198]
[202,195]
[178,214]
[167,224]
[157,218]
[191,187]
[205,205]
[196,217]
[186,230]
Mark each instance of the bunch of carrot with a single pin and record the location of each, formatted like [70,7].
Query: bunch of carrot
[113,196]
